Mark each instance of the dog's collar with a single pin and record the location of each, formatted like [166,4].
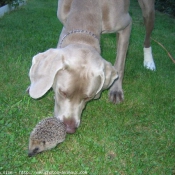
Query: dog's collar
[77,31]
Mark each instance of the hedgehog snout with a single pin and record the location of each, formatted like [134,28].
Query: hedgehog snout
[33,152]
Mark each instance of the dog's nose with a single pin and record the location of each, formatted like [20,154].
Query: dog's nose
[71,125]
[70,130]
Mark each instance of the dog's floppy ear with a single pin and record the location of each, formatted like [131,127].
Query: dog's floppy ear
[43,70]
[108,75]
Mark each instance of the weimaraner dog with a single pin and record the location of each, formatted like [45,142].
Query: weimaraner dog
[75,70]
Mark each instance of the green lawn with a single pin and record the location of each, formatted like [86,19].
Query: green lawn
[132,138]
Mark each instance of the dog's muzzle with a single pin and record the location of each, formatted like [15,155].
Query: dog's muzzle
[71,125]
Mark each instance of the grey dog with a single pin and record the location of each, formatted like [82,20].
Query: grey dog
[75,69]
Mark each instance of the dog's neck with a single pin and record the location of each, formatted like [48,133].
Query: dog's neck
[80,37]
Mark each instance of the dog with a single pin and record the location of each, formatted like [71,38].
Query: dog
[75,69]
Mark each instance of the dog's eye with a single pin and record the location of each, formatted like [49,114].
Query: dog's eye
[62,93]
[87,98]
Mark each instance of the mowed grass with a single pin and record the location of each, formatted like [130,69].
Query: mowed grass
[132,138]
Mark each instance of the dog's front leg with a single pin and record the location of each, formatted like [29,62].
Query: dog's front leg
[116,92]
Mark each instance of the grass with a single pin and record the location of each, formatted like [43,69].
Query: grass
[132,138]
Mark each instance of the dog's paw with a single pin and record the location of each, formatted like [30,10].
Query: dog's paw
[116,96]
[150,65]
[148,59]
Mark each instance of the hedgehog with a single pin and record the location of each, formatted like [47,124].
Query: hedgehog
[46,135]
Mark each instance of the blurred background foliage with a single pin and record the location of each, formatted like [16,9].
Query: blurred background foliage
[165,6]
[12,2]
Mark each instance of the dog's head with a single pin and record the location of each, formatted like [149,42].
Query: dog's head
[77,74]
